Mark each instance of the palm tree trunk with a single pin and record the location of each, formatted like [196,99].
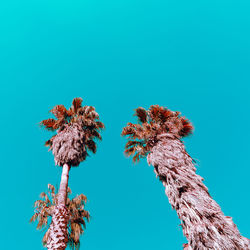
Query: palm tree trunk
[58,234]
[62,194]
[203,223]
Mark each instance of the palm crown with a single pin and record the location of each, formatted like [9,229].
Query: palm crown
[77,129]
[151,123]
[77,215]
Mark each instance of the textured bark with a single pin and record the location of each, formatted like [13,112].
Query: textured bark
[68,146]
[58,233]
[204,224]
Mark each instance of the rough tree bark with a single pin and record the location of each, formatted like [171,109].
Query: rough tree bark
[203,223]
[58,235]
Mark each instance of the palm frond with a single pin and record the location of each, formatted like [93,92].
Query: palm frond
[45,238]
[34,217]
[59,111]
[91,145]
[48,143]
[159,114]
[136,157]
[131,143]
[69,192]
[93,134]
[76,104]
[60,122]
[130,151]
[100,125]
[51,189]
[187,127]
[141,113]
[49,124]
[136,148]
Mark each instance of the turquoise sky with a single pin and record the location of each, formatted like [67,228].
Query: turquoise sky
[190,56]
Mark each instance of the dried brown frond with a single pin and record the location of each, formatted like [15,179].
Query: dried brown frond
[154,112]
[100,125]
[69,192]
[51,189]
[34,217]
[91,145]
[49,142]
[141,113]
[60,122]
[44,208]
[94,134]
[187,127]
[45,197]
[136,148]
[159,114]
[136,157]
[130,151]
[131,143]
[133,131]
[49,124]
[78,215]
[76,104]
[45,238]
[59,111]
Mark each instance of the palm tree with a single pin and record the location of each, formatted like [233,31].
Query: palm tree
[157,136]
[78,216]
[77,129]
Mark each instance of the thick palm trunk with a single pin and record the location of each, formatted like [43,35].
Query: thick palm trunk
[204,224]
[58,235]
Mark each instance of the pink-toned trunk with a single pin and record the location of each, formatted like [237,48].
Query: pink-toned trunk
[204,224]
[62,194]
[58,234]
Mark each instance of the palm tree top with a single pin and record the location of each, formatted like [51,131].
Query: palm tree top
[77,128]
[77,215]
[155,121]
[86,115]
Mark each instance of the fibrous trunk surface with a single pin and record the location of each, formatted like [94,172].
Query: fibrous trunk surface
[204,224]
[68,146]
[58,234]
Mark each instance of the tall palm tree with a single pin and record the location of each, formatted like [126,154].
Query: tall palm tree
[157,136]
[78,216]
[77,129]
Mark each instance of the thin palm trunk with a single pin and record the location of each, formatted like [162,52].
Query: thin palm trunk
[58,236]
[204,224]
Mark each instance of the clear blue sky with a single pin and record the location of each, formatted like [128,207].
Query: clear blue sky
[190,56]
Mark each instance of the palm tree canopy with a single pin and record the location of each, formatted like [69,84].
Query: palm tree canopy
[44,207]
[77,129]
[153,122]
[77,215]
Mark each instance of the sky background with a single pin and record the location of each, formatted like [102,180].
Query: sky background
[190,56]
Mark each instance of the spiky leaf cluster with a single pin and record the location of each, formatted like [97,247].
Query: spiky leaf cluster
[153,122]
[44,207]
[77,129]
[77,215]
